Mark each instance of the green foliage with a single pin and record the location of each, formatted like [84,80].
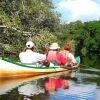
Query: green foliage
[86,35]
[36,18]
[45,38]
[92,60]
[24,18]
[93,30]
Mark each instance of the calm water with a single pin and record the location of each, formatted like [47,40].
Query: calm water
[81,85]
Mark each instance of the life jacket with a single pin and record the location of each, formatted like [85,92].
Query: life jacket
[65,54]
[55,56]
[52,56]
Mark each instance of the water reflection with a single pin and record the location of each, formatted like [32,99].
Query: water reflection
[30,89]
[44,85]
[60,86]
[54,84]
[8,84]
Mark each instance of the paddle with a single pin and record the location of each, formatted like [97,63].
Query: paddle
[71,67]
[46,62]
[86,66]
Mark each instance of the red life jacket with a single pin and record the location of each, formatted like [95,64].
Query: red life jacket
[57,57]
[52,55]
[65,54]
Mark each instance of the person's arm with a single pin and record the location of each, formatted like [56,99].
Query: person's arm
[72,58]
[47,50]
[41,57]
[24,49]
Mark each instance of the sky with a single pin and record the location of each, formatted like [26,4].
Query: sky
[73,10]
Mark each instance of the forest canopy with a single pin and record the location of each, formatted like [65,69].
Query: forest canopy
[22,20]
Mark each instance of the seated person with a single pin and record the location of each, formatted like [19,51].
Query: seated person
[54,56]
[68,55]
[28,56]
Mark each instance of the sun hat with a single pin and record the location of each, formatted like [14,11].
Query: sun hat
[30,44]
[54,46]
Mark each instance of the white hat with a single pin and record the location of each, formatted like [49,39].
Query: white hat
[54,46]
[30,44]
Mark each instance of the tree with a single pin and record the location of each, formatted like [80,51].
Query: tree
[20,19]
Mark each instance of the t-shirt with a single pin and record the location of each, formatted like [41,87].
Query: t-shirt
[31,57]
[71,56]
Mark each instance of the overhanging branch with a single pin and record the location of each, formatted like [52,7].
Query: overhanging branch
[25,32]
[3,26]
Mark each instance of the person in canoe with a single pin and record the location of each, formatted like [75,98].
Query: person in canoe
[53,55]
[29,56]
[68,55]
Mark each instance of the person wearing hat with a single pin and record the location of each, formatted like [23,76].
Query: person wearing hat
[54,56]
[28,56]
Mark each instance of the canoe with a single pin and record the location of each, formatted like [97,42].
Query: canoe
[10,68]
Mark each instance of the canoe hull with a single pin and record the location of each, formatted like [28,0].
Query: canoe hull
[9,70]
[9,73]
